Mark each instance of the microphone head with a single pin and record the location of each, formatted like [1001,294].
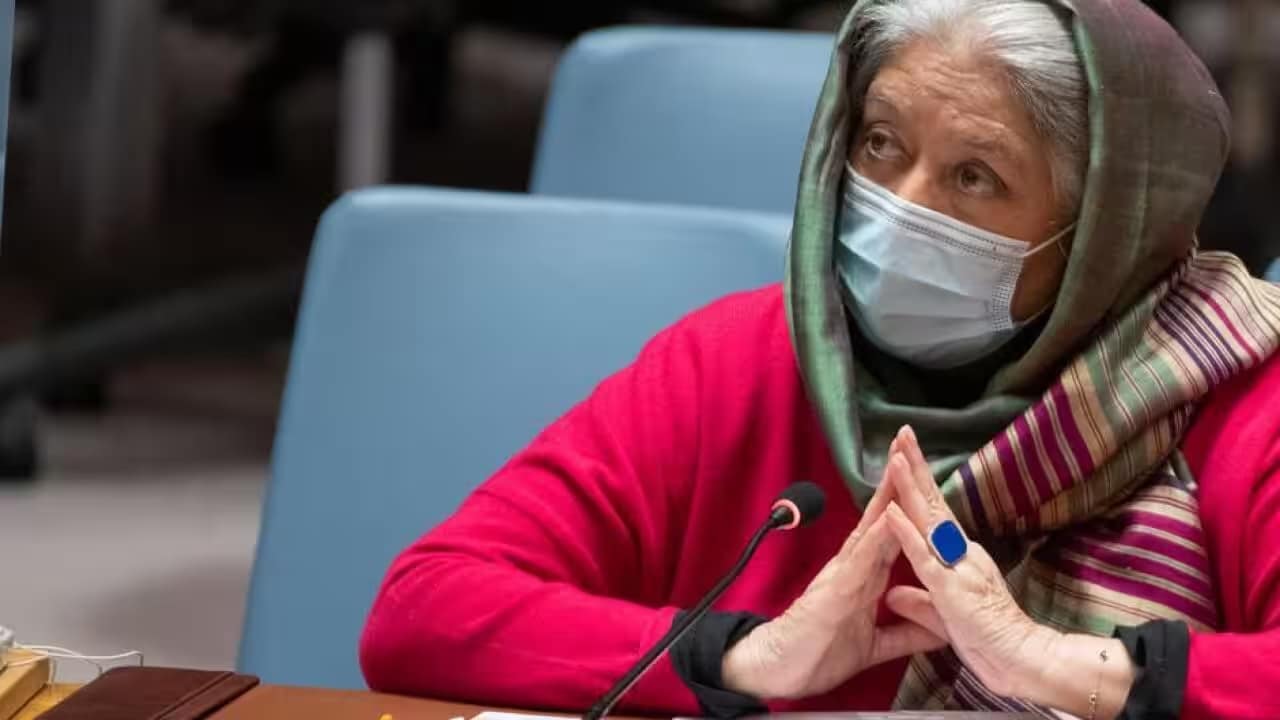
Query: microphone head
[800,504]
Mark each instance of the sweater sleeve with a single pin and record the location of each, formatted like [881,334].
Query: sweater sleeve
[1235,674]
[550,580]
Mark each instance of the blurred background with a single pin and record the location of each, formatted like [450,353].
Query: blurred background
[167,164]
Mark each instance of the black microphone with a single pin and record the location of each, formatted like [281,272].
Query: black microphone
[798,505]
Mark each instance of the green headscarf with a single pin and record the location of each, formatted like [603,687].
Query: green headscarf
[1159,140]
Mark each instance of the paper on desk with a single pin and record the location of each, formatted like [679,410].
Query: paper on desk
[491,715]
[899,715]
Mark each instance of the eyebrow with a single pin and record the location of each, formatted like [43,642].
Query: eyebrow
[875,97]
[994,146]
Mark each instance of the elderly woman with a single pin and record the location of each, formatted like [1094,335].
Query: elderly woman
[995,324]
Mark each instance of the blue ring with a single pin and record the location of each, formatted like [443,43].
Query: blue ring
[948,542]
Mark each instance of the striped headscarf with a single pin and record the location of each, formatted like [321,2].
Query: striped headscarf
[1067,467]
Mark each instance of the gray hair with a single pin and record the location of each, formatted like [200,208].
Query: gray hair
[1030,40]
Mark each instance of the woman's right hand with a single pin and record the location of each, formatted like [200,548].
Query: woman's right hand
[829,634]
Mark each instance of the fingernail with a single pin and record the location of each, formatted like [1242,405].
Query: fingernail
[908,433]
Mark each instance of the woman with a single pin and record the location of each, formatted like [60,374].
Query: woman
[994,319]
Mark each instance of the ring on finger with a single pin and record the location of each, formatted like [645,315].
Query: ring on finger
[948,542]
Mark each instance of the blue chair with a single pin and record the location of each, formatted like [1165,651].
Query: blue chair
[1273,273]
[685,116]
[439,332]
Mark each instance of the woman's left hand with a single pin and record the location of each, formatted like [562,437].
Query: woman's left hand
[969,602]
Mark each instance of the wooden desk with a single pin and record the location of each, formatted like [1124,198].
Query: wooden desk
[279,701]
[272,702]
[47,698]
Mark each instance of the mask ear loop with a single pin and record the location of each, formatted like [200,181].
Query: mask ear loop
[1055,240]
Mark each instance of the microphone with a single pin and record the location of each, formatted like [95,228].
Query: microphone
[798,505]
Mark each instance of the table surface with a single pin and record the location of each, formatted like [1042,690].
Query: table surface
[50,696]
[278,701]
[281,701]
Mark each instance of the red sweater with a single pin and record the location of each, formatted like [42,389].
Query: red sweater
[558,572]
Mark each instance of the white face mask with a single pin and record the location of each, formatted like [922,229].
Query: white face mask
[922,286]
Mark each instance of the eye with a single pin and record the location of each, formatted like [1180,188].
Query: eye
[976,179]
[880,145]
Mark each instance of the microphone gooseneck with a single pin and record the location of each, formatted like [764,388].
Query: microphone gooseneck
[799,505]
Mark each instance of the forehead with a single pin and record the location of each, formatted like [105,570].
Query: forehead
[951,91]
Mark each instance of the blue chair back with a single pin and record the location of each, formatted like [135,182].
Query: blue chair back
[686,116]
[439,332]
[1273,273]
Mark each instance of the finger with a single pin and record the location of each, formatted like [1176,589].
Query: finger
[881,544]
[884,495]
[923,476]
[928,568]
[915,604]
[871,559]
[908,496]
[902,639]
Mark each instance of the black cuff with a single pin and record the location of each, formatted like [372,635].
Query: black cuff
[699,656]
[1159,650]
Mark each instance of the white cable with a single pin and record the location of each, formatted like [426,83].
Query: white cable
[56,652]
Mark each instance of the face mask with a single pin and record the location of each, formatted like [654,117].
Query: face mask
[922,286]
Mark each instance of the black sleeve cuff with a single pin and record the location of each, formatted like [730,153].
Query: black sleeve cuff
[1159,650]
[698,658]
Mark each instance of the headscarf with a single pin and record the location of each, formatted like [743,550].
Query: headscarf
[1066,466]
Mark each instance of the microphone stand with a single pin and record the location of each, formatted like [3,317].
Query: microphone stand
[778,518]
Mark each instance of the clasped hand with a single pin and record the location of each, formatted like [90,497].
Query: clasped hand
[829,634]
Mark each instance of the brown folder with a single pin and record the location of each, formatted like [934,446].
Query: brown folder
[152,693]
